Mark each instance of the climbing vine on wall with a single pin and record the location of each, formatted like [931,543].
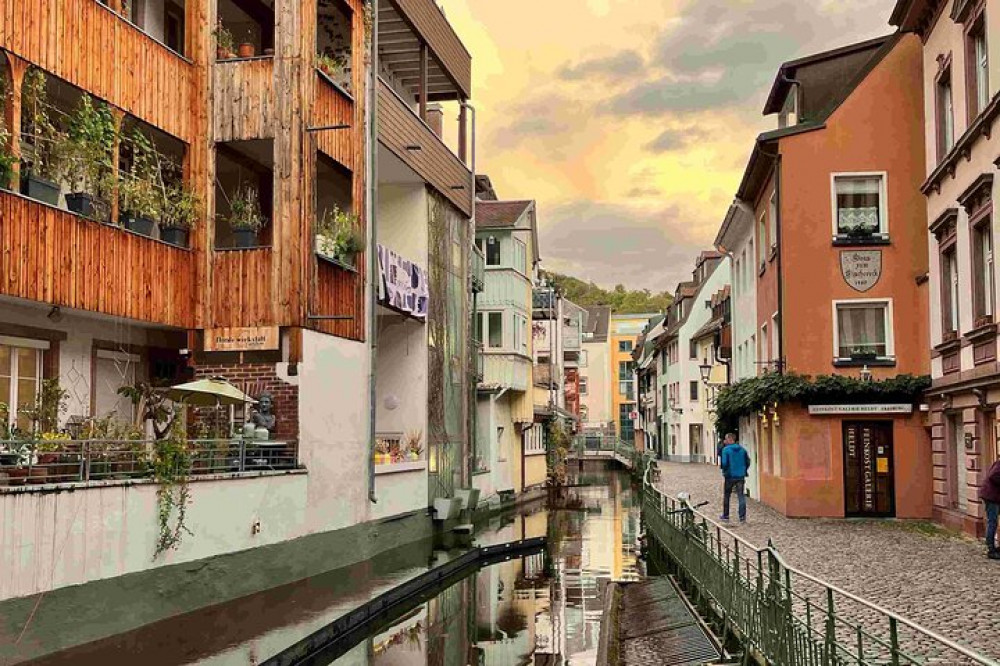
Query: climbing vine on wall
[171,468]
[747,397]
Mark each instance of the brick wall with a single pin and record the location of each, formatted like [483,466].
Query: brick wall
[255,379]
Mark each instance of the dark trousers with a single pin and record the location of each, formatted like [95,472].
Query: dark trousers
[738,486]
[992,513]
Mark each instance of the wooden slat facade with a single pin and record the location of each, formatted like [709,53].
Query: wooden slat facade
[399,127]
[56,257]
[243,294]
[88,45]
[332,106]
[433,28]
[244,99]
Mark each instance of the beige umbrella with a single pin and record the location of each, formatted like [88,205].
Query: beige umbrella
[214,392]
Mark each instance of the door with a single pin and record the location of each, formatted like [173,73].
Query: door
[869,484]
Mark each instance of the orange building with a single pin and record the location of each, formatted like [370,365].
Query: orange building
[840,275]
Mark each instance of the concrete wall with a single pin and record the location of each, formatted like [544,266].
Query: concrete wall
[598,374]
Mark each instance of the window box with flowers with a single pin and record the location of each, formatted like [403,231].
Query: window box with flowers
[395,453]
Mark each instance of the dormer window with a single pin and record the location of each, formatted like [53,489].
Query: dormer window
[790,111]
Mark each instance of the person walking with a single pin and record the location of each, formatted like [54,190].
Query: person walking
[989,492]
[735,462]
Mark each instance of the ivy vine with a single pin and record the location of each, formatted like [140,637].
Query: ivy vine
[749,396]
[171,468]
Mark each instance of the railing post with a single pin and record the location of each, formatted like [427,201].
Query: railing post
[243,454]
[831,629]
[85,461]
[894,640]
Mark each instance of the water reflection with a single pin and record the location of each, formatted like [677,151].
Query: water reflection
[544,609]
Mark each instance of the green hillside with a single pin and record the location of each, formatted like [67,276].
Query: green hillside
[620,299]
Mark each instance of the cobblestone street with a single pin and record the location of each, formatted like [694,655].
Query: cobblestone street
[936,578]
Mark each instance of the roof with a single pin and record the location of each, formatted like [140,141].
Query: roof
[598,323]
[707,255]
[917,15]
[708,329]
[786,73]
[484,188]
[498,214]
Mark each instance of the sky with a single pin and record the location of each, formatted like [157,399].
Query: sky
[630,121]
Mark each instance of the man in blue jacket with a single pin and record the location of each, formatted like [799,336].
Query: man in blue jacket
[735,462]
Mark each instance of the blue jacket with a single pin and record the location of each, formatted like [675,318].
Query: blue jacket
[735,461]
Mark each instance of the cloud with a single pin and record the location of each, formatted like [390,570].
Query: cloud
[673,139]
[611,243]
[724,53]
[624,64]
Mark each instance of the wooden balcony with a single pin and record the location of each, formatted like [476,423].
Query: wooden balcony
[427,24]
[244,99]
[333,107]
[91,47]
[55,257]
[241,288]
[412,141]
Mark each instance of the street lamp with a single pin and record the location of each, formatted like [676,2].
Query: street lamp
[706,371]
[866,374]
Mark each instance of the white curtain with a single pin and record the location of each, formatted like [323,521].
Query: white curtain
[858,203]
[861,330]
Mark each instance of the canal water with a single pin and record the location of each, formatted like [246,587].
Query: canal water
[540,609]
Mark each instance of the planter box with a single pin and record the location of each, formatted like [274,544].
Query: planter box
[447,507]
[83,204]
[40,189]
[469,497]
[140,225]
[244,239]
[175,237]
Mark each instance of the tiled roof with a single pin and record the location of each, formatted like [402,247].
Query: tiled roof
[494,214]
[598,322]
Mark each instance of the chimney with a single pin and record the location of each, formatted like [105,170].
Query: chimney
[435,118]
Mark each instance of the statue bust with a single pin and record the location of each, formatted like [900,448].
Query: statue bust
[262,416]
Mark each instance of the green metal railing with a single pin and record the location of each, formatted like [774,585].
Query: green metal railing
[608,446]
[780,614]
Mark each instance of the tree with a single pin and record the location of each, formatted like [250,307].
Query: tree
[620,299]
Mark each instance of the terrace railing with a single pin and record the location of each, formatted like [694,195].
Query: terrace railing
[780,613]
[76,461]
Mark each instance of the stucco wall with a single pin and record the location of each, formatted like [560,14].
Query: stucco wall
[598,374]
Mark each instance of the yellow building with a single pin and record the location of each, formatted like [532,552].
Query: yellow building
[624,330]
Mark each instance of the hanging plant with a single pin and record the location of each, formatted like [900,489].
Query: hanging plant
[339,236]
[171,468]
[88,166]
[43,154]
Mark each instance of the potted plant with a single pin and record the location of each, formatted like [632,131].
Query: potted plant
[88,166]
[246,48]
[180,210]
[382,455]
[140,192]
[40,177]
[414,450]
[860,231]
[245,218]
[863,354]
[338,236]
[223,42]
[335,68]
[6,160]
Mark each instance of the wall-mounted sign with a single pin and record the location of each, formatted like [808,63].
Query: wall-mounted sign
[861,268]
[403,286]
[821,410]
[256,338]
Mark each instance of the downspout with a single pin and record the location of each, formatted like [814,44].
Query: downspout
[372,153]
[474,416]
[778,262]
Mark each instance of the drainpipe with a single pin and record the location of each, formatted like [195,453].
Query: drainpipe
[778,265]
[372,205]
[474,421]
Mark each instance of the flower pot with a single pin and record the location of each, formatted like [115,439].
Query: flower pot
[83,204]
[17,476]
[246,50]
[244,238]
[40,189]
[140,225]
[174,236]
[269,52]
[221,53]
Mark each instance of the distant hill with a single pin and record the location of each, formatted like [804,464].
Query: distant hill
[620,299]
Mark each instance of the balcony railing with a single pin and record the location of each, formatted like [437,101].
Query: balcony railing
[244,99]
[477,269]
[78,461]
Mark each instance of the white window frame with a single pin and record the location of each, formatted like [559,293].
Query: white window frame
[765,349]
[772,219]
[520,334]
[583,385]
[486,253]
[520,256]
[761,257]
[485,314]
[890,335]
[40,347]
[883,199]
[774,338]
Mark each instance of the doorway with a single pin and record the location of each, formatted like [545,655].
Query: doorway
[869,481]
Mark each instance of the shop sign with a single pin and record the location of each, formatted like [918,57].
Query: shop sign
[824,410]
[403,286]
[861,268]
[254,338]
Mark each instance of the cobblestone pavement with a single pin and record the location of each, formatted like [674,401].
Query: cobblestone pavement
[936,578]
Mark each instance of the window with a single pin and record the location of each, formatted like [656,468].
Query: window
[520,334]
[491,248]
[663,361]
[20,381]
[977,57]
[863,330]
[775,353]
[764,350]
[761,240]
[492,327]
[945,121]
[693,390]
[583,360]
[982,274]
[583,386]
[772,218]
[624,345]
[949,290]
[520,257]
[692,349]
[534,440]
[665,389]
[859,205]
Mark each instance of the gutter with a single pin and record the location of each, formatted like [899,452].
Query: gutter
[372,205]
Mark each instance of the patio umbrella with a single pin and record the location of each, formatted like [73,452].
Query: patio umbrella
[214,392]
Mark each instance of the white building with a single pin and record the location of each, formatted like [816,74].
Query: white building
[595,370]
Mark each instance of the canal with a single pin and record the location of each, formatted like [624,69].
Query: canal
[543,608]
